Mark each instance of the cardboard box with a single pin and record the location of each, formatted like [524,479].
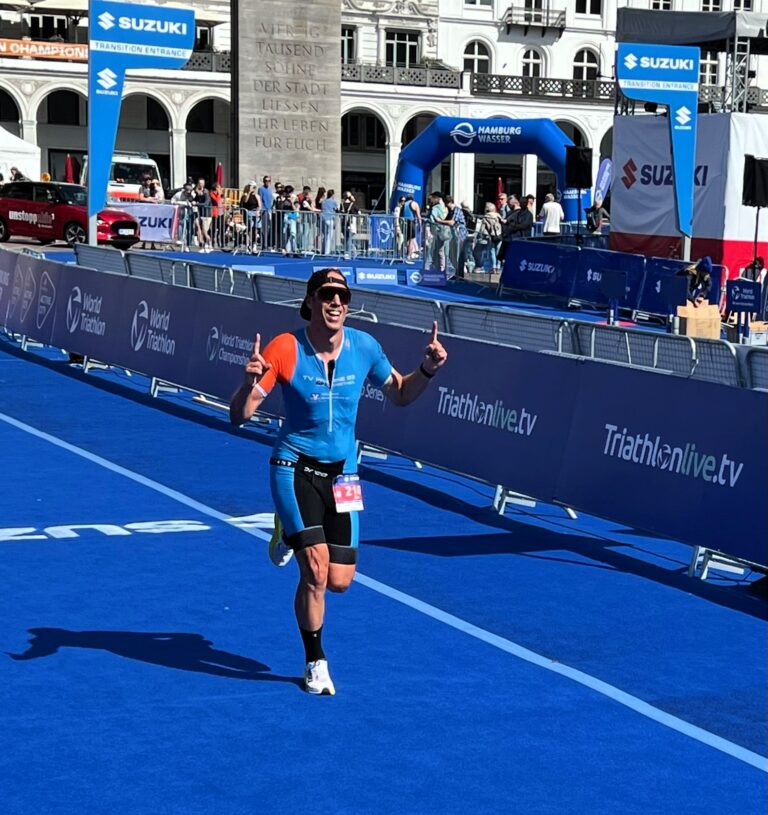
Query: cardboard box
[702,321]
[758,334]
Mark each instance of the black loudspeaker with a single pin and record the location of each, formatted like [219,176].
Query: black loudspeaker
[755,189]
[578,167]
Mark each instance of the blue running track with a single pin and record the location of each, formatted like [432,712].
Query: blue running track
[150,664]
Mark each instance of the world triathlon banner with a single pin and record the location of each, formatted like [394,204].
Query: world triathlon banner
[124,36]
[599,438]
[668,75]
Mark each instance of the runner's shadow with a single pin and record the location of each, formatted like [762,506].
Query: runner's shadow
[185,652]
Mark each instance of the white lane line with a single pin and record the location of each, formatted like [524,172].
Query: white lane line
[508,646]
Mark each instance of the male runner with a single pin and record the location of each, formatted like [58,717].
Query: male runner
[322,370]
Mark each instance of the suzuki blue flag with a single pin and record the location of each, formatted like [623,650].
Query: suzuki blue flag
[668,75]
[122,36]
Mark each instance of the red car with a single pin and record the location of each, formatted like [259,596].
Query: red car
[51,212]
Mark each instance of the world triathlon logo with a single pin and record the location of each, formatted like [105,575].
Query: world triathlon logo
[463,134]
[140,326]
[74,309]
[213,343]
[384,232]
[629,177]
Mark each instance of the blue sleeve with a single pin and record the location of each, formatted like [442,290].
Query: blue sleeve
[379,367]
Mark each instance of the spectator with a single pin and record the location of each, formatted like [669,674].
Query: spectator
[411,215]
[185,200]
[17,175]
[440,231]
[328,209]
[288,205]
[455,219]
[755,271]
[552,214]
[595,216]
[699,281]
[489,238]
[266,197]
[217,216]
[251,205]
[349,223]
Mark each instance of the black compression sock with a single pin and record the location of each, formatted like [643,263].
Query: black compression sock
[313,644]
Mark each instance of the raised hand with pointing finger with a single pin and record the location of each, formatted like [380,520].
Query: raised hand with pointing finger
[256,366]
[435,354]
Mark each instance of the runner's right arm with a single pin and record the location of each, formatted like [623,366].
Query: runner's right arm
[247,398]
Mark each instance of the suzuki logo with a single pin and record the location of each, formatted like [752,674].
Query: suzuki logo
[140,326]
[463,134]
[212,346]
[106,21]
[630,61]
[107,79]
[629,177]
[523,265]
[683,116]
[74,309]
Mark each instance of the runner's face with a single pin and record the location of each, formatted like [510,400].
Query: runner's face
[333,312]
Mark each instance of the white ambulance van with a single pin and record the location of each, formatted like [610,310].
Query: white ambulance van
[126,174]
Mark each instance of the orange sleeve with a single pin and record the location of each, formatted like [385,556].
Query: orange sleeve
[280,354]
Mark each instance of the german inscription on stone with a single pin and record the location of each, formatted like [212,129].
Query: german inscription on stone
[288,92]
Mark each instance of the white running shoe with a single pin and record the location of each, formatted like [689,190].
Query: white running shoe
[279,552]
[317,680]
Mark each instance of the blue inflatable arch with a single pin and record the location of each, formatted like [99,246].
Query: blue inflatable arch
[446,135]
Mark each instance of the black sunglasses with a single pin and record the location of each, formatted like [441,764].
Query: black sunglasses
[327,293]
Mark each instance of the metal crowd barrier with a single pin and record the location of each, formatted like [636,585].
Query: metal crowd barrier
[711,360]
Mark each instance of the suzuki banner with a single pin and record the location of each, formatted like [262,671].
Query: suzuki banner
[158,222]
[668,75]
[123,36]
[596,437]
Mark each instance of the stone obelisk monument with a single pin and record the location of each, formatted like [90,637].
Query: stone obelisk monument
[286,92]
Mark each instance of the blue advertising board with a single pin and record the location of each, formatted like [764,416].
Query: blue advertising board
[376,276]
[383,233]
[540,267]
[123,36]
[631,457]
[743,295]
[668,75]
[659,269]
[593,265]
[596,437]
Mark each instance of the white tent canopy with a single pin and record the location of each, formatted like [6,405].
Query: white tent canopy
[15,152]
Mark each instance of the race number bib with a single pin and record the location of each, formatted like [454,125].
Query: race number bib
[348,493]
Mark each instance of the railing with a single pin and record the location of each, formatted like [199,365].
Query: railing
[393,75]
[546,17]
[588,90]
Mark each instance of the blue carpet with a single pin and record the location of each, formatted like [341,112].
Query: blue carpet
[147,670]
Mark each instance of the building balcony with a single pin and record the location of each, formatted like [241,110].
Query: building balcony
[418,75]
[585,90]
[520,14]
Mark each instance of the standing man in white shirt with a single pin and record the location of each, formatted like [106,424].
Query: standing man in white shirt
[552,214]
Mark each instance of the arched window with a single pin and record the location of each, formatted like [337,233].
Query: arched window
[532,63]
[586,65]
[477,59]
